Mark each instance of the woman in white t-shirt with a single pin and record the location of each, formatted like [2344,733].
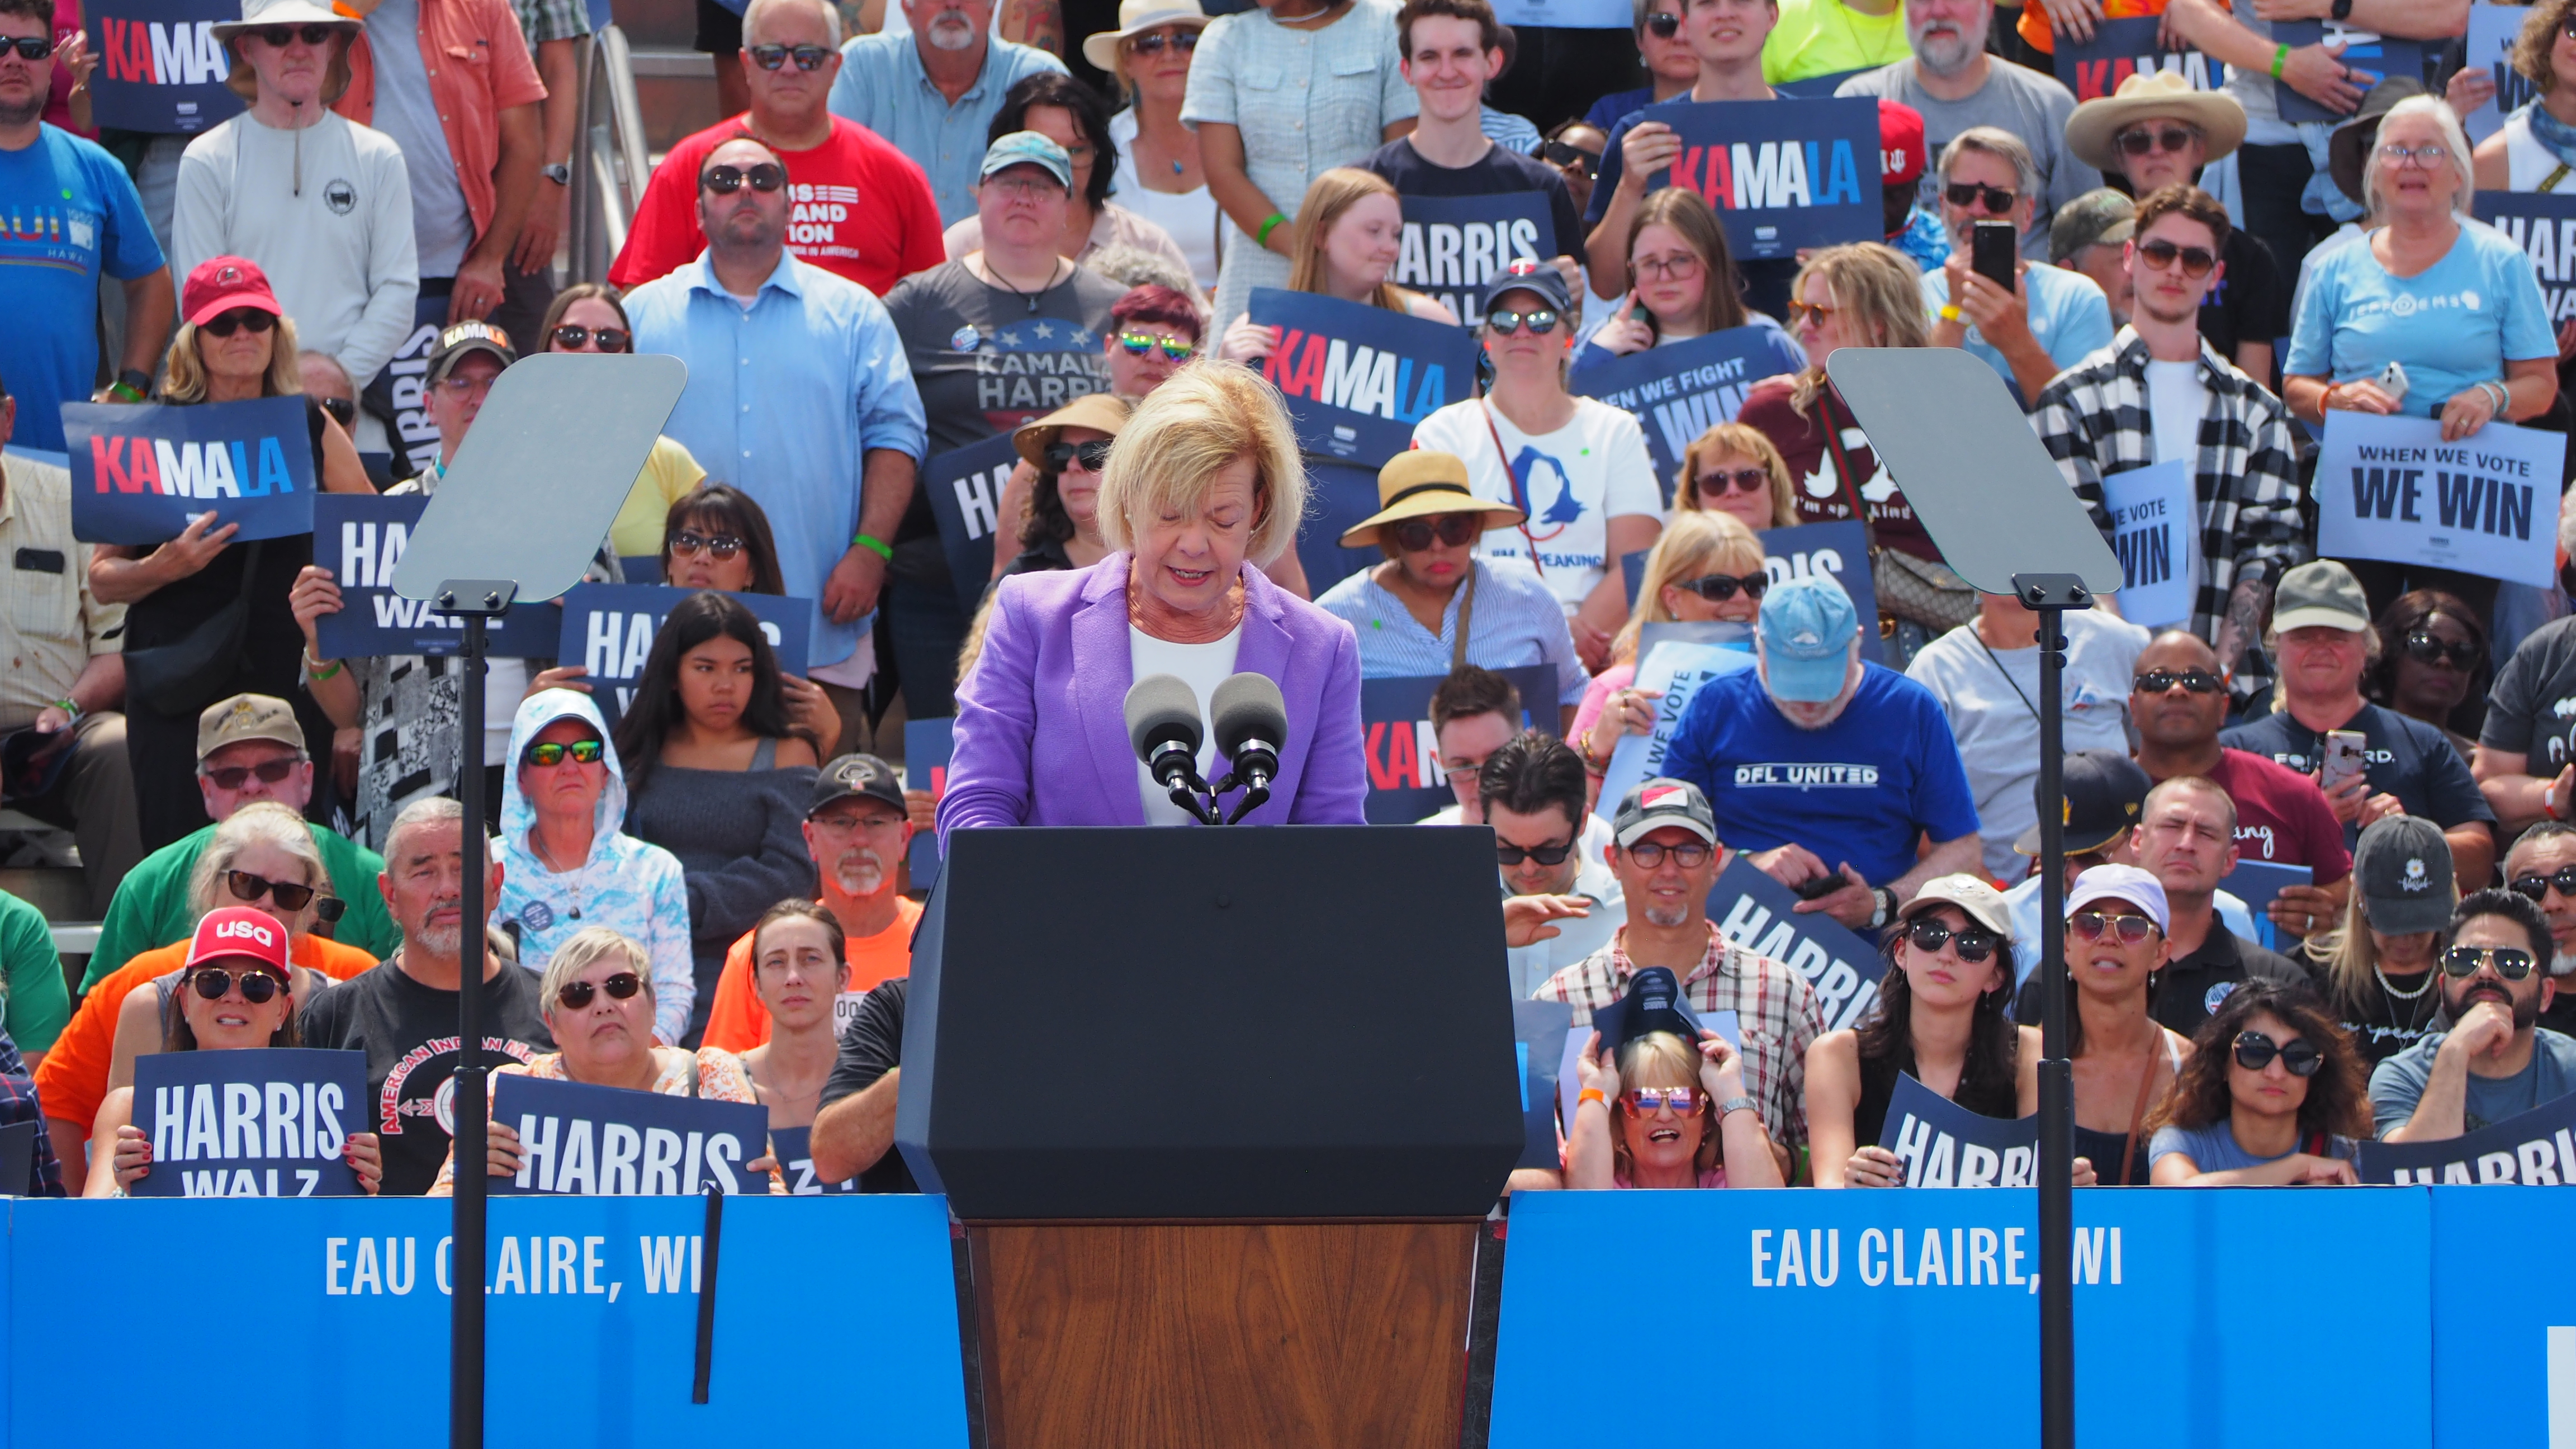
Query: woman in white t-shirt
[1159,177]
[1577,468]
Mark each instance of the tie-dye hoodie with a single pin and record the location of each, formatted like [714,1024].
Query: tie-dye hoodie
[627,885]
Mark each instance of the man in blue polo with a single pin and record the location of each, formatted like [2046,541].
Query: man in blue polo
[1822,765]
[933,92]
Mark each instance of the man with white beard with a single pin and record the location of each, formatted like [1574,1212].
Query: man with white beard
[2542,867]
[857,832]
[933,92]
[402,1014]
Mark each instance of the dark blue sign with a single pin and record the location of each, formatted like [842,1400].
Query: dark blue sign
[1540,1028]
[611,1142]
[608,629]
[141,471]
[1406,779]
[2370,57]
[2543,224]
[359,538]
[160,68]
[1338,496]
[263,1123]
[965,490]
[1815,87]
[2536,1149]
[1357,378]
[792,1146]
[1681,391]
[1943,1144]
[1839,551]
[1453,245]
[927,746]
[1782,174]
[2256,883]
[2119,49]
[401,390]
[1762,916]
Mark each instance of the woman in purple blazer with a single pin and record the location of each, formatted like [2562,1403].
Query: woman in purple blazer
[1203,484]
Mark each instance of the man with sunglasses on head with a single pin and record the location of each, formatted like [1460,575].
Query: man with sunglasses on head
[862,208]
[2161,391]
[2050,318]
[2495,1060]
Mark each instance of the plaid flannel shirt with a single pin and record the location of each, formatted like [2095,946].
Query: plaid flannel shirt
[1773,1006]
[18,1104]
[2094,419]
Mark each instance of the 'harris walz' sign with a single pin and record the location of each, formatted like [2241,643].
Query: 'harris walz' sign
[2120,49]
[2536,1149]
[1454,245]
[1357,378]
[965,488]
[2390,488]
[2543,224]
[611,1142]
[1782,174]
[263,1123]
[1406,780]
[1761,915]
[1943,1144]
[609,630]
[1681,391]
[360,538]
[141,471]
[160,68]
[793,1147]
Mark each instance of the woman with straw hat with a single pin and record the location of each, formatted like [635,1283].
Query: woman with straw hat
[1159,177]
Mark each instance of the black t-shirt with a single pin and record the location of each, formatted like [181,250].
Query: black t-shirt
[1501,172]
[2407,758]
[2532,709]
[871,1046]
[408,1032]
[2380,1023]
[2250,302]
[2188,990]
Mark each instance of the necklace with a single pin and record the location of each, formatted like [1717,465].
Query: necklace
[2396,995]
[2006,673]
[1016,290]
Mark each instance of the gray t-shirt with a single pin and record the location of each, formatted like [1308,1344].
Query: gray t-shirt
[2214,1149]
[2397,1084]
[2016,98]
[407,112]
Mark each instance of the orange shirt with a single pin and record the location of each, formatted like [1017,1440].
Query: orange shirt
[72,1079]
[479,66]
[2034,26]
[738,1022]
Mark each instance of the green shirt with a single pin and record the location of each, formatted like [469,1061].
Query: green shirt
[40,1004]
[1827,37]
[151,906]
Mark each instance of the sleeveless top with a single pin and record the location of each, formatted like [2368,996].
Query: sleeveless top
[2104,1148]
[2529,163]
[1878,1088]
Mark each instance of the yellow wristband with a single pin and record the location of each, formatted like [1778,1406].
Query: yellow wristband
[1949,311]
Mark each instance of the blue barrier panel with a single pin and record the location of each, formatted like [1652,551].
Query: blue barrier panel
[2190,1317]
[836,1322]
[2504,1322]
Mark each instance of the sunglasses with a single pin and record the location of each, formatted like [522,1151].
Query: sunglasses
[1801,311]
[2425,649]
[766,176]
[1651,856]
[1138,344]
[1510,854]
[1737,480]
[771,57]
[1184,42]
[342,410]
[1974,943]
[1504,324]
[1456,530]
[547,754]
[1641,1100]
[225,324]
[270,772]
[689,545]
[1572,158]
[572,336]
[1093,456]
[2091,925]
[620,986]
[2160,681]
[2141,141]
[2254,1052]
[1965,193]
[247,887]
[280,36]
[2510,962]
[2537,886]
[1718,588]
[29,47]
[2161,255]
[1663,26]
[258,986]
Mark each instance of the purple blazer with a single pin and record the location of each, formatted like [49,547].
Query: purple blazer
[1041,733]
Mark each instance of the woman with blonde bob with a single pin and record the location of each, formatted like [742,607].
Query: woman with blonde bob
[1733,469]
[1350,231]
[1706,568]
[1204,485]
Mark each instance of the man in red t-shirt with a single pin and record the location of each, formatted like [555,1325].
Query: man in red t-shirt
[858,206]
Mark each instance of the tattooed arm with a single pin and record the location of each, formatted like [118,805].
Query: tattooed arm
[2247,603]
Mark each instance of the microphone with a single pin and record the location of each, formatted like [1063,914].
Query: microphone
[1163,726]
[1251,724]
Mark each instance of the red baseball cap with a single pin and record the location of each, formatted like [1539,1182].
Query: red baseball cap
[240,931]
[220,284]
[1900,143]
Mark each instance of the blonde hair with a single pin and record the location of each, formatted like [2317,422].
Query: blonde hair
[1661,1059]
[2351,958]
[2454,140]
[589,946]
[1692,544]
[1210,414]
[1333,193]
[1878,288]
[184,379]
[1721,303]
[261,822]
[1746,441]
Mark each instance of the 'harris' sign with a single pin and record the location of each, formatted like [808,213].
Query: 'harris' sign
[964,486]
[612,1142]
[609,629]
[1783,174]
[1357,378]
[1454,245]
[2543,224]
[269,1122]
[360,538]
[140,472]
[160,67]
[1943,1144]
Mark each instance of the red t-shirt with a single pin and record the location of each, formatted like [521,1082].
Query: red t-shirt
[2282,816]
[859,208]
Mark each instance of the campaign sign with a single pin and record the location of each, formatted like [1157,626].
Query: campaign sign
[1406,779]
[1454,245]
[160,68]
[1357,378]
[2370,56]
[18,1160]
[792,1147]
[612,1142]
[1562,14]
[140,471]
[1839,551]
[1816,87]
[2543,224]
[263,1123]
[1338,496]
[1762,916]
[2493,29]
[2390,488]
[1681,391]
[1782,174]
[401,390]
[2536,1149]
[1943,1144]
[965,490]
[1674,673]
[2155,529]
[1569,1067]
[359,538]
[927,746]
[1541,1029]
[2120,49]
[609,629]
[2256,883]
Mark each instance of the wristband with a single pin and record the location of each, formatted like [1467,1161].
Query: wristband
[69,706]
[125,391]
[1950,312]
[876,546]
[1589,1094]
[1261,238]
[2502,394]
[2280,58]
[313,668]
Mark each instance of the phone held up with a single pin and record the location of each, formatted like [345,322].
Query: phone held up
[1994,250]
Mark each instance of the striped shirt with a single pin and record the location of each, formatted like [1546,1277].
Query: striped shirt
[1517,622]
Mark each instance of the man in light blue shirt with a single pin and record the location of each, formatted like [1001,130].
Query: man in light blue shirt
[798,394]
[2054,318]
[933,92]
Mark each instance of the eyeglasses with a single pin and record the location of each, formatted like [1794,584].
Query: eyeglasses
[2426,156]
[1689,856]
[342,410]
[1973,944]
[1026,186]
[2161,255]
[2568,29]
[259,986]
[1092,456]
[225,324]
[688,544]
[1663,25]
[1140,343]
[1677,268]
[1642,1100]
[2091,926]
[247,887]
[1718,588]
[2423,648]
[546,754]
[2160,681]
[1965,193]
[572,337]
[1504,324]
[2254,1052]
[29,47]
[771,57]
[1413,535]
[1510,854]
[280,36]
[1183,41]
[2510,962]
[2140,141]
[456,386]
[1571,158]
[765,176]
[1799,312]
[270,772]
[1734,480]
[2537,886]
[620,986]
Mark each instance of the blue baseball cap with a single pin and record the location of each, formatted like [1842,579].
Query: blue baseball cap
[1028,148]
[1807,629]
[1653,1002]
[1525,275]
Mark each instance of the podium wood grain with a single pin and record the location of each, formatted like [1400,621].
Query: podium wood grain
[1245,1335]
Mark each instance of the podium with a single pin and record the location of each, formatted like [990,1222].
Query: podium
[1220,1110]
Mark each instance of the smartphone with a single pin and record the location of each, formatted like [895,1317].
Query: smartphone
[2346,756]
[2392,381]
[1994,248]
[1821,887]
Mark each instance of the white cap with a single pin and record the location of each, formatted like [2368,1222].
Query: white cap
[2121,883]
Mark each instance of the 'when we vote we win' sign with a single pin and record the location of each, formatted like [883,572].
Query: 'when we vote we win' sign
[2390,488]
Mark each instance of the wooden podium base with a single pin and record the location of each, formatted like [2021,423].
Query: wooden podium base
[1304,1335]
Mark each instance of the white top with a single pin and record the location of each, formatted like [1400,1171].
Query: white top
[1202,667]
[1190,217]
[2176,397]
[2527,162]
[1572,481]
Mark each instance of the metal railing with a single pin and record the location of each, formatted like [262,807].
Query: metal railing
[610,164]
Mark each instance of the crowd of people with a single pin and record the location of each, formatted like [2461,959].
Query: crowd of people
[951,228]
